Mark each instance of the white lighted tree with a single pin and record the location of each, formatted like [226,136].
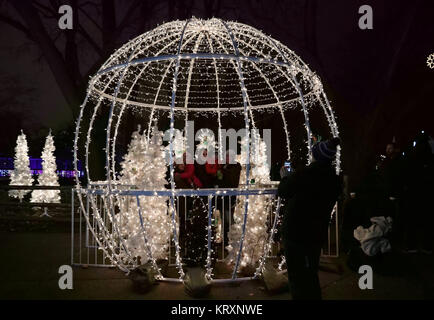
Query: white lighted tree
[258,208]
[260,166]
[144,167]
[21,175]
[49,176]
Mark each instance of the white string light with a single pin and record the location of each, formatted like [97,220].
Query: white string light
[182,68]
[430,61]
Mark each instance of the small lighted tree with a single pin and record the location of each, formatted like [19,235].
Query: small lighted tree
[144,167]
[49,176]
[258,207]
[21,175]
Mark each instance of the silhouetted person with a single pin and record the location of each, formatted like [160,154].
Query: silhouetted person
[390,172]
[185,178]
[231,171]
[310,195]
[387,196]
[275,171]
[419,217]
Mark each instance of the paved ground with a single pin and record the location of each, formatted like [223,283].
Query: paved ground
[30,262]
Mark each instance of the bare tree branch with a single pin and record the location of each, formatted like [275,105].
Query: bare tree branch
[126,19]
[94,22]
[90,40]
[17,25]
[52,55]
[46,11]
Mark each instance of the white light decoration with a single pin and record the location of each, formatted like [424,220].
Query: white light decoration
[49,176]
[211,68]
[259,207]
[206,140]
[281,263]
[144,167]
[21,175]
[178,145]
[430,61]
[260,166]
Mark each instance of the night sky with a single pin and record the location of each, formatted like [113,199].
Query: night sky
[377,80]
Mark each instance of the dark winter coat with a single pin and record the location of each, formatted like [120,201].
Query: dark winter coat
[391,180]
[208,180]
[231,175]
[310,195]
[231,179]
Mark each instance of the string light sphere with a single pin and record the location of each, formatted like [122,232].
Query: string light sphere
[209,67]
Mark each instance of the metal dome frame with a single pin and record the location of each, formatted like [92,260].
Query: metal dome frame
[285,62]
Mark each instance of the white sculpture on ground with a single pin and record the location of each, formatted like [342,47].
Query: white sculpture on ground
[49,176]
[21,175]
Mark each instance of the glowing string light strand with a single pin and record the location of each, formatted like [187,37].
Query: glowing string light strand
[212,60]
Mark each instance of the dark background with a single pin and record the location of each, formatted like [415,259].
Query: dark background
[377,80]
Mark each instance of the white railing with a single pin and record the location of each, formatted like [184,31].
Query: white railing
[95,218]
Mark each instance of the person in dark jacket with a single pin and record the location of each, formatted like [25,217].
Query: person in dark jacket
[231,171]
[310,196]
[418,216]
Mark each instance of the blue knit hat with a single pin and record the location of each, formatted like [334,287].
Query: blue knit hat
[325,150]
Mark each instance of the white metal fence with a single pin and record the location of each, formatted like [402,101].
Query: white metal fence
[85,250]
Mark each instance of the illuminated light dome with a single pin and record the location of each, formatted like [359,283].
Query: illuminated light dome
[183,68]
[208,78]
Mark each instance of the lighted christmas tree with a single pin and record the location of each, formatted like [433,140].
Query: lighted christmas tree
[260,168]
[259,206]
[206,142]
[49,176]
[144,167]
[21,175]
[179,146]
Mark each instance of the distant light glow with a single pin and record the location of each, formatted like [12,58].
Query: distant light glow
[430,61]
[65,167]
